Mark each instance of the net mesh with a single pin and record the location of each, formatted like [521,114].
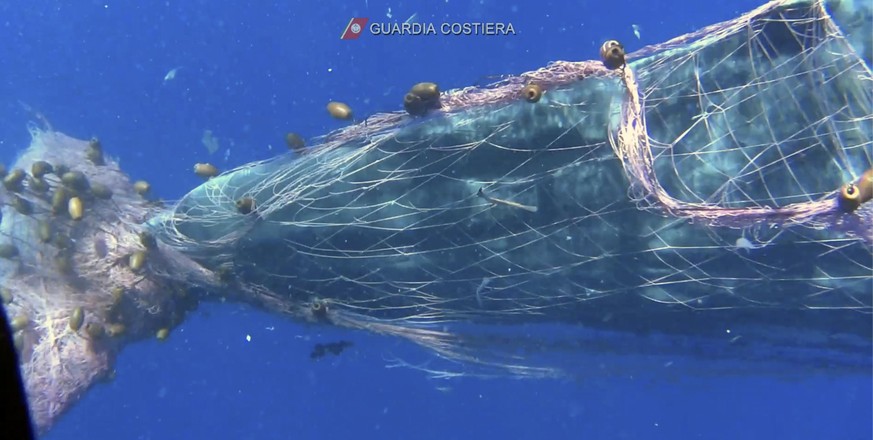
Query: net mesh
[62,265]
[733,144]
[696,192]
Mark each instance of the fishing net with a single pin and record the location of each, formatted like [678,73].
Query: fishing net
[709,199]
[698,189]
[64,267]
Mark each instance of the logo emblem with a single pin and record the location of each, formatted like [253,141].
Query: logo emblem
[354,28]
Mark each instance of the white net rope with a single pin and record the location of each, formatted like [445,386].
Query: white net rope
[703,187]
[733,144]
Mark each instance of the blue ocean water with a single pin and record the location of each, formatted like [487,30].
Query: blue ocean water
[251,71]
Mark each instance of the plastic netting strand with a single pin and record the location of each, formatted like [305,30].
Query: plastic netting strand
[716,160]
[682,208]
[732,144]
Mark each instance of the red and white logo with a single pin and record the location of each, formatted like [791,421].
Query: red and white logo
[354,28]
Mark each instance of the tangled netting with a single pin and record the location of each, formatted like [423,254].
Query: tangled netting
[693,191]
[690,203]
[62,265]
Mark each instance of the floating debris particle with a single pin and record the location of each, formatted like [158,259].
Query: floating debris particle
[612,54]
[76,208]
[40,168]
[205,170]
[142,187]
[339,110]
[245,205]
[295,143]
[76,319]
[210,141]
[171,75]
[137,261]
[532,93]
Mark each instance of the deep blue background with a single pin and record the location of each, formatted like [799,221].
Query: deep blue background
[251,71]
